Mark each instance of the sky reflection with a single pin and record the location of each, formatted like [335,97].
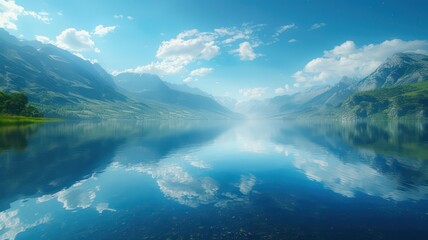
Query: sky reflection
[231,168]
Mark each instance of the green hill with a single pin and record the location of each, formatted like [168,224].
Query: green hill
[405,101]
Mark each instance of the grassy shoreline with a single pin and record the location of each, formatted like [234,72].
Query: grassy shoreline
[10,119]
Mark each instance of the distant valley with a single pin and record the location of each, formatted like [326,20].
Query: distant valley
[63,85]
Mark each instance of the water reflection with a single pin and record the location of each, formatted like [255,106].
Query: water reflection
[384,160]
[15,137]
[254,180]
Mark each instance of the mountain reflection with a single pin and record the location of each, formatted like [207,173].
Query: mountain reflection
[45,159]
[94,178]
[384,160]
[15,137]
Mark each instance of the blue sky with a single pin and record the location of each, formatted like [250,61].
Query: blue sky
[243,49]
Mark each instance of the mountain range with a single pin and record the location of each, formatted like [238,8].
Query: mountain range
[396,89]
[62,84]
[150,88]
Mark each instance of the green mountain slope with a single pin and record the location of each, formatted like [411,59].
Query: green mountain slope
[405,101]
[385,93]
[61,84]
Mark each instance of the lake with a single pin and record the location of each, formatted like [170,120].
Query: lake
[214,180]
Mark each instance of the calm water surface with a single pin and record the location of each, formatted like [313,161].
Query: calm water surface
[214,180]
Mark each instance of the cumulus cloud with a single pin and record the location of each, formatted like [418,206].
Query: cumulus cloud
[201,72]
[192,45]
[177,53]
[245,52]
[252,92]
[46,40]
[189,45]
[101,30]
[317,26]
[75,40]
[10,11]
[283,29]
[349,60]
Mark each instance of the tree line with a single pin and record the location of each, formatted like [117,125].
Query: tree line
[17,104]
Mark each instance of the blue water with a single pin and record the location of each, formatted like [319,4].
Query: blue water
[214,180]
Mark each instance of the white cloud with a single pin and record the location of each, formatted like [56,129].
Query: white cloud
[282,90]
[349,60]
[101,30]
[177,53]
[130,18]
[74,40]
[165,67]
[44,39]
[245,52]
[232,34]
[292,40]
[84,58]
[189,79]
[283,29]
[118,16]
[253,92]
[317,26]
[42,16]
[201,72]
[10,11]
[189,45]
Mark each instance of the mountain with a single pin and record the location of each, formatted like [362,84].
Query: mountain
[298,103]
[335,95]
[187,89]
[148,87]
[398,88]
[391,91]
[62,84]
[400,69]
[402,101]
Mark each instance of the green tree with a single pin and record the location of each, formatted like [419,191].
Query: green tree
[17,104]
